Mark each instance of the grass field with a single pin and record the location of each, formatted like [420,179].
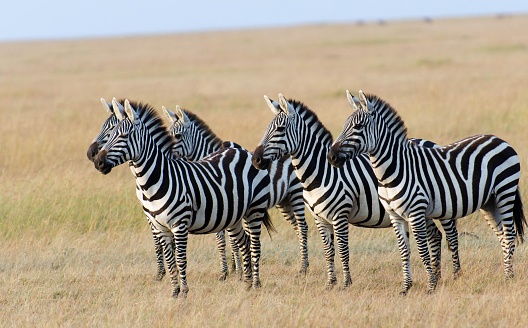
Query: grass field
[75,249]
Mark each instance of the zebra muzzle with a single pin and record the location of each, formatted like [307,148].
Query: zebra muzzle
[258,159]
[92,151]
[101,164]
[334,157]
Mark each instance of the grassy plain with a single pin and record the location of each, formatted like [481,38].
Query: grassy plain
[76,251]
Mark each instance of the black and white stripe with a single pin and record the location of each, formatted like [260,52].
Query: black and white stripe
[195,140]
[336,196]
[183,197]
[417,183]
[106,128]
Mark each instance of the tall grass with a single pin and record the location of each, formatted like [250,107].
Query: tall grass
[75,249]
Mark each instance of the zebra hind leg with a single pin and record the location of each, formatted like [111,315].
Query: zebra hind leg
[296,218]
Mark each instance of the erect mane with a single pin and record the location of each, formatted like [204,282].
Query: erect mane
[310,117]
[154,123]
[202,126]
[388,114]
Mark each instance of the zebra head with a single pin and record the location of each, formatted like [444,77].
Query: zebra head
[119,147]
[280,136]
[182,129]
[358,132]
[106,128]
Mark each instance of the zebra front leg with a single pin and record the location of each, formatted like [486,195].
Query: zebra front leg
[221,245]
[434,237]
[326,232]
[419,230]
[451,232]
[341,232]
[160,260]
[181,235]
[401,228]
[239,235]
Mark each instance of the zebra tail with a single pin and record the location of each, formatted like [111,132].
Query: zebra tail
[266,220]
[518,216]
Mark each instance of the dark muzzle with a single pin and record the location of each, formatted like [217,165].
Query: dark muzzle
[334,157]
[101,164]
[258,159]
[92,151]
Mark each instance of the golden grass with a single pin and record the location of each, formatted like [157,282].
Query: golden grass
[76,251]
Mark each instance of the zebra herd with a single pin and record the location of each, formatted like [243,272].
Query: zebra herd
[191,182]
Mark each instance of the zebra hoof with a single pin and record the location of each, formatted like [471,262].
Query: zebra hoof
[223,276]
[176,292]
[457,275]
[159,276]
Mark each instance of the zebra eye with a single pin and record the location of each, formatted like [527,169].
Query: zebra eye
[280,128]
[177,136]
[358,126]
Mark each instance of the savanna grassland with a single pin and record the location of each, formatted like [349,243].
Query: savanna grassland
[75,249]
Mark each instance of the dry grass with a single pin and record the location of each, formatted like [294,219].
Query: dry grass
[76,251]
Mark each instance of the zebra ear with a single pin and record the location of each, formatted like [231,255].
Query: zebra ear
[169,114]
[272,105]
[131,112]
[284,104]
[367,106]
[107,106]
[352,101]
[119,110]
[181,115]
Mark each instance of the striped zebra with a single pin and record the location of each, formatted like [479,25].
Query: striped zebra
[106,128]
[417,184]
[195,140]
[97,144]
[336,196]
[183,197]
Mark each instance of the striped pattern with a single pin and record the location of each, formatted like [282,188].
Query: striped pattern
[106,128]
[336,196]
[478,172]
[181,197]
[195,140]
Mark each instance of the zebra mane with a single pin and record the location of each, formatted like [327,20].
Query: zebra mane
[203,127]
[154,123]
[310,117]
[388,114]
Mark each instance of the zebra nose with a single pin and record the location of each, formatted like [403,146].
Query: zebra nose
[100,160]
[92,151]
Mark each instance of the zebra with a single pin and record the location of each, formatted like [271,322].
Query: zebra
[94,148]
[195,140]
[336,196]
[97,144]
[180,197]
[417,184]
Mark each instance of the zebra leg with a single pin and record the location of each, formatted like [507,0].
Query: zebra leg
[451,232]
[254,228]
[238,234]
[326,233]
[296,218]
[181,236]
[401,228]
[167,242]
[159,254]
[341,232]
[235,258]
[434,236]
[419,230]
[221,245]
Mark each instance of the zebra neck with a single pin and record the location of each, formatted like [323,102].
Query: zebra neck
[151,169]
[205,147]
[388,158]
[310,163]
